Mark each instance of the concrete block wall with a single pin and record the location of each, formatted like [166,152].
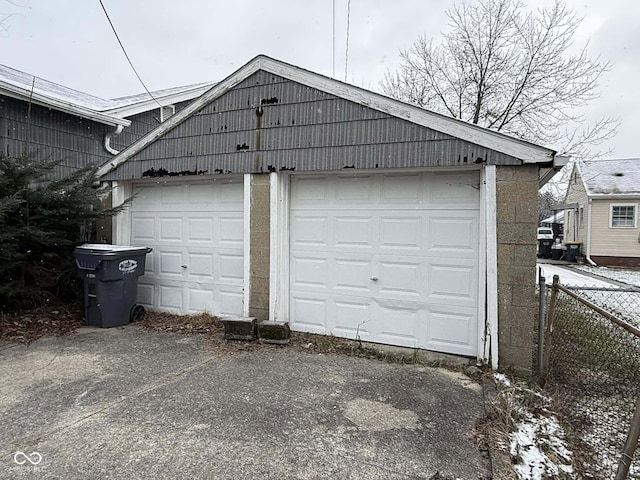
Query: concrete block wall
[259,247]
[517,220]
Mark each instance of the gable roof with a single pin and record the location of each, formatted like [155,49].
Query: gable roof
[24,86]
[620,177]
[525,151]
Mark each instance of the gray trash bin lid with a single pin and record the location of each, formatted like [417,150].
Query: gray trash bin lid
[107,248]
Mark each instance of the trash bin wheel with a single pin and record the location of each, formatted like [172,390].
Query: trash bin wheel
[137,313]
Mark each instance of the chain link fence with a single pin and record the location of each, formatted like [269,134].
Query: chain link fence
[591,362]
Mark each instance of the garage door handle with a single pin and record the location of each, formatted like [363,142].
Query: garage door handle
[375,279]
[183,266]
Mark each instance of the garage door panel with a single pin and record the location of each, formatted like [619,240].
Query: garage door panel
[401,233]
[393,257]
[310,231]
[309,272]
[352,319]
[453,283]
[230,231]
[453,236]
[200,299]
[229,268]
[309,314]
[200,265]
[171,196]
[310,191]
[353,276]
[143,228]
[170,230]
[454,190]
[229,196]
[170,296]
[398,326]
[231,301]
[145,293]
[402,279]
[355,190]
[453,330]
[170,262]
[353,232]
[402,189]
[200,230]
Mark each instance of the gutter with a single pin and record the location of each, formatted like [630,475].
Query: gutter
[109,136]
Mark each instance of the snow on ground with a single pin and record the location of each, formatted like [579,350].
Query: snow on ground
[572,278]
[629,276]
[539,449]
[625,305]
[537,446]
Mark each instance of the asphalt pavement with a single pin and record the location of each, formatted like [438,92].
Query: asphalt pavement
[126,403]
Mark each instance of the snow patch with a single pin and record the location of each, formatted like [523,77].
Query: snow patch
[539,450]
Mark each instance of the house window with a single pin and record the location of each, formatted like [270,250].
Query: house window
[166,112]
[623,216]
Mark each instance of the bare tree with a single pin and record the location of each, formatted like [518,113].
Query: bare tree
[8,10]
[509,69]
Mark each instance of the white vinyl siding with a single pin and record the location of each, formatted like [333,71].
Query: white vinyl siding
[612,241]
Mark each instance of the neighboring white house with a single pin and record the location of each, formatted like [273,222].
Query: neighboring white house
[604,196]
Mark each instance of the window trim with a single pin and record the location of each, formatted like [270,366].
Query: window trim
[635,215]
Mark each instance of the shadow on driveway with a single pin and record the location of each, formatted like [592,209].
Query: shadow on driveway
[126,403]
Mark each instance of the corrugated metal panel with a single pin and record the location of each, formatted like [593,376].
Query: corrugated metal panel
[51,135]
[298,128]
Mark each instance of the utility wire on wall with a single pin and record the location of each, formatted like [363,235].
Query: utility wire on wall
[126,55]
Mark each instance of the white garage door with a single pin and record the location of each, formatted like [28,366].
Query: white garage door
[196,232]
[391,259]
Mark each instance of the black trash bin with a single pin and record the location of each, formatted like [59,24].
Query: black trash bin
[573,250]
[544,247]
[110,277]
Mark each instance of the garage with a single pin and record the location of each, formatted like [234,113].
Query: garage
[364,217]
[196,231]
[387,258]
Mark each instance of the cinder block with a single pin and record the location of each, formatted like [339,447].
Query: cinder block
[239,328]
[274,332]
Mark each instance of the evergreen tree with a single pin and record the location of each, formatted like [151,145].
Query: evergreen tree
[41,222]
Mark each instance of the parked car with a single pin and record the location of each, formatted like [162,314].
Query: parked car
[545,233]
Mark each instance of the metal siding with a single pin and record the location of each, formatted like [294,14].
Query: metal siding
[305,130]
[51,135]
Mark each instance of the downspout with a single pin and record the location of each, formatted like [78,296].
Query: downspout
[588,239]
[107,140]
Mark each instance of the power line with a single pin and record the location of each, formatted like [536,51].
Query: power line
[334,39]
[127,55]
[346,53]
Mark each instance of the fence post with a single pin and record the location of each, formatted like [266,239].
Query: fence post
[630,445]
[542,297]
[549,328]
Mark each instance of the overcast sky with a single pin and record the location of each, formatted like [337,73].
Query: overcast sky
[181,42]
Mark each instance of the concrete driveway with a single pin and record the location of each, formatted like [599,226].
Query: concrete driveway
[126,403]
